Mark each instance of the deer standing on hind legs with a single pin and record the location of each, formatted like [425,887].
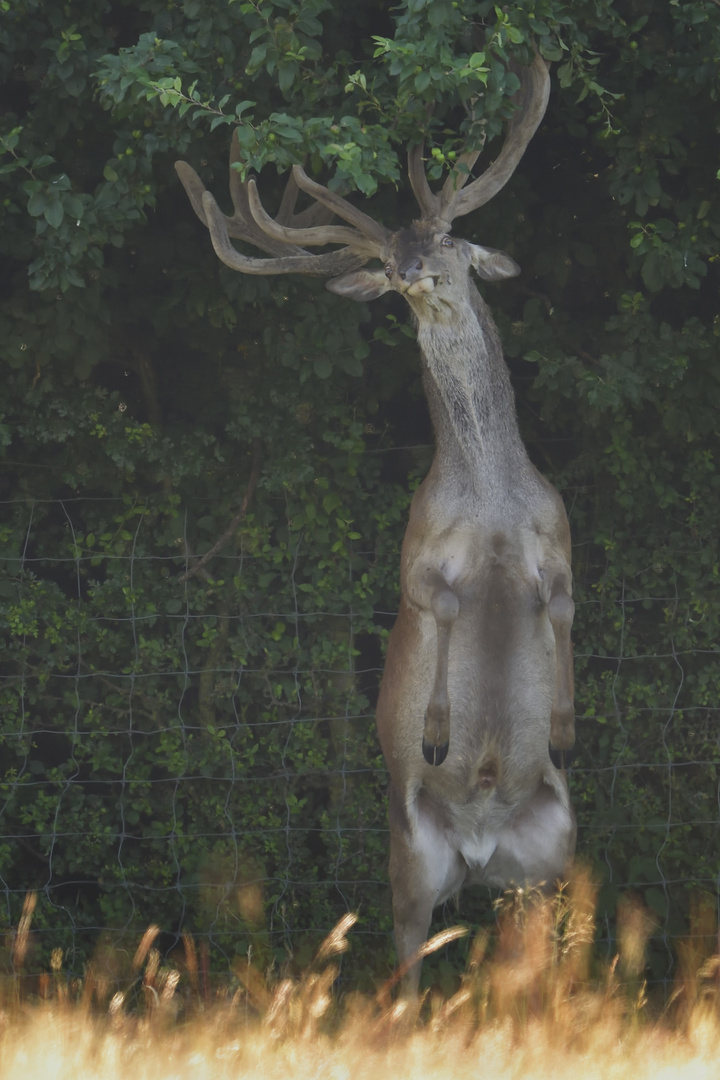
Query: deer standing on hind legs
[475,713]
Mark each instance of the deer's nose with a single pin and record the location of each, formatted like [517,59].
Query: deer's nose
[411,270]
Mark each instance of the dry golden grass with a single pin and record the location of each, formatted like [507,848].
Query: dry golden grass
[534,1009]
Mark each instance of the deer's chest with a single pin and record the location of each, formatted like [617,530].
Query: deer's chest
[465,547]
[460,525]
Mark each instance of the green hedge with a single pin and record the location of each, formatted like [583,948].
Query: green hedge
[199,751]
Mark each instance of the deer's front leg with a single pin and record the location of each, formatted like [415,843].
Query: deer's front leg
[445,606]
[561,610]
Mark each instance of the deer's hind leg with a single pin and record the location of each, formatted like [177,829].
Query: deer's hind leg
[445,607]
[425,869]
[561,610]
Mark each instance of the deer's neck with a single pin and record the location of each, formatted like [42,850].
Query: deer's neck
[470,397]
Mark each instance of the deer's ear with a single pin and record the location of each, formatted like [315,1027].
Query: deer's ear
[360,284]
[492,265]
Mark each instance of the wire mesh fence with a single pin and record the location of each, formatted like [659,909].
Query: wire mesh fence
[200,752]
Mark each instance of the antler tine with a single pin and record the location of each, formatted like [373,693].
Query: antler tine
[459,176]
[270,236]
[240,225]
[533,98]
[321,234]
[370,228]
[329,264]
[194,188]
[279,237]
[316,214]
[432,205]
[313,215]
[286,213]
[426,199]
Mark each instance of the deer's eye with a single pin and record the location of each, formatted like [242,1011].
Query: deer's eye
[388,271]
[447,242]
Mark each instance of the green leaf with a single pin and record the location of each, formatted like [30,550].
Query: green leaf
[554,53]
[323,367]
[290,134]
[74,207]
[36,204]
[653,272]
[287,74]
[54,213]
[245,135]
[256,58]
[438,12]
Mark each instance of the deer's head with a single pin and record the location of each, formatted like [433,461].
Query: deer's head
[424,263]
[427,266]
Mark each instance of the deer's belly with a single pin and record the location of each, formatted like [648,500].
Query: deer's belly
[501,846]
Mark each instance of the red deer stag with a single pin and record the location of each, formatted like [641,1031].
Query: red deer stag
[475,713]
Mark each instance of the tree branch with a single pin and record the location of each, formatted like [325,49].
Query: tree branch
[223,539]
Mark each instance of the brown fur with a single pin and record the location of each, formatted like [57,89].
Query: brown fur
[478,675]
[478,678]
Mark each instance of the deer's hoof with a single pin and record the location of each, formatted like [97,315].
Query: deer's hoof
[561,759]
[434,755]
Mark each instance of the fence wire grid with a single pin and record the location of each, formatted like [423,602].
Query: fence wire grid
[180,753]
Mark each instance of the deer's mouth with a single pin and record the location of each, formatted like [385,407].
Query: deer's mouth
[422,285]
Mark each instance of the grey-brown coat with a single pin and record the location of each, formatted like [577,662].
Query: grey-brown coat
[478,681]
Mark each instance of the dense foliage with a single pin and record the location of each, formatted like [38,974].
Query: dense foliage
[193,744]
